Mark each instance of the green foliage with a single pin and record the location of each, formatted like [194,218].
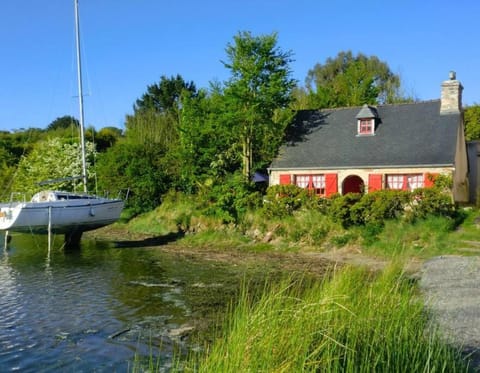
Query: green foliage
[206,148]
[105,138]
[283,200]
[165,96]
[52,159]
[442,182]
[341,209]
[373,208]
[472,122]
[349,80]
[150,128]
[137,168]
[352,321]
[430,201]
[62,123]
[230,199]
[422,238]
[260,84]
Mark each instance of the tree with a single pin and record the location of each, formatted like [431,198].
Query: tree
[349,80]
[164,96]
[157,113]
[472,122]
[260,84]
[52,159]
[104,138]
[206,148]
[137,168]
[64,122]
[150,128]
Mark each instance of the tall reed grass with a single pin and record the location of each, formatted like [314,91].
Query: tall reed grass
[354,321]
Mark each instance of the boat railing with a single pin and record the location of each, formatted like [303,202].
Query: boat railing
[16,197]
[122,194]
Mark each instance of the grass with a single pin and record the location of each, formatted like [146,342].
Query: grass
[353,321]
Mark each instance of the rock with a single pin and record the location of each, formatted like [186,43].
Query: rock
[268,237]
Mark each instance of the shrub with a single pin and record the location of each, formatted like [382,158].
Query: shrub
[283,200]
[431,201]
[373,208]
[341,209]
[229,199]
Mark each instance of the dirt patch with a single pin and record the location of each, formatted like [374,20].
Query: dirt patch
[304,260]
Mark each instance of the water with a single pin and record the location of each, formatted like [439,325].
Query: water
[96,308]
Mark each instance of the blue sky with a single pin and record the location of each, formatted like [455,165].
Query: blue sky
[129,44]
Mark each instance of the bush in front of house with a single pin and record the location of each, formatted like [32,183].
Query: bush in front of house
[373,208]
[283,200]
[431,201]
[370,209]
[341,209]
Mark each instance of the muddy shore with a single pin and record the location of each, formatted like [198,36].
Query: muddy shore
[450,284]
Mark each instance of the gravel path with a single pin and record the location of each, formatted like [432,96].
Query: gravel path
[452,288]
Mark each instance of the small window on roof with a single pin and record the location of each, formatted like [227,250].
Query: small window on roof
[365,126]
[366,120]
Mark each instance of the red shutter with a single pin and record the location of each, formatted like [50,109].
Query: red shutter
[331,184]
[429,179]
[374,182]
[285,179]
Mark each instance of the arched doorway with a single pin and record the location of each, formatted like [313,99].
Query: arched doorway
[352,184]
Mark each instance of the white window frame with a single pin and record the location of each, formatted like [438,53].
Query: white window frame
[405,181]
[302,181]
[415,181]
[395,181]
[315,182]
[363,122]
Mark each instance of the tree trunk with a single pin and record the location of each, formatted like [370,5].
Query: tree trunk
[247,156]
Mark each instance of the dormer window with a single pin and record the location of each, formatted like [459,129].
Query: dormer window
[365,126]
[366,120]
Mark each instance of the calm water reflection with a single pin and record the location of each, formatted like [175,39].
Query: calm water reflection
[95,308]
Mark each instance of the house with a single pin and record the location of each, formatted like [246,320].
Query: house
[363,149]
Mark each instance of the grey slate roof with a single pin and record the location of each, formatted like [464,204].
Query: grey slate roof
[406,135]
[367,112]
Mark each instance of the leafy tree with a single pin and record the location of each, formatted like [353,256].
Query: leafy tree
[52,159]
[164,96]
[349,80]
[104,138]
[150,128]
[137,168]
[260,84]
[206,148]
[157,112]
[472,122]
[64,122]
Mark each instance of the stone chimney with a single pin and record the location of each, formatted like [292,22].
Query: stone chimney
[451,100]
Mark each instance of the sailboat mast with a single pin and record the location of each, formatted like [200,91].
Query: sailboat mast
[80,97]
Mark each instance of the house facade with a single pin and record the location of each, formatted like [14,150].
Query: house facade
[363,149]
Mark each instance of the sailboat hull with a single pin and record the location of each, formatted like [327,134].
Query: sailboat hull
[61,216]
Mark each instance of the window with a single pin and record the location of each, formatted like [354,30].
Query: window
[315,183]
[318,182]
[365,126]
[302,181]
[405,182]
[395,181]
[415,181]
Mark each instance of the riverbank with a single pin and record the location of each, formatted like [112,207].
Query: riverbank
[449,283]
[304,260]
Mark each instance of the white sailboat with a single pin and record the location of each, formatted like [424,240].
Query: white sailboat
[52,211]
